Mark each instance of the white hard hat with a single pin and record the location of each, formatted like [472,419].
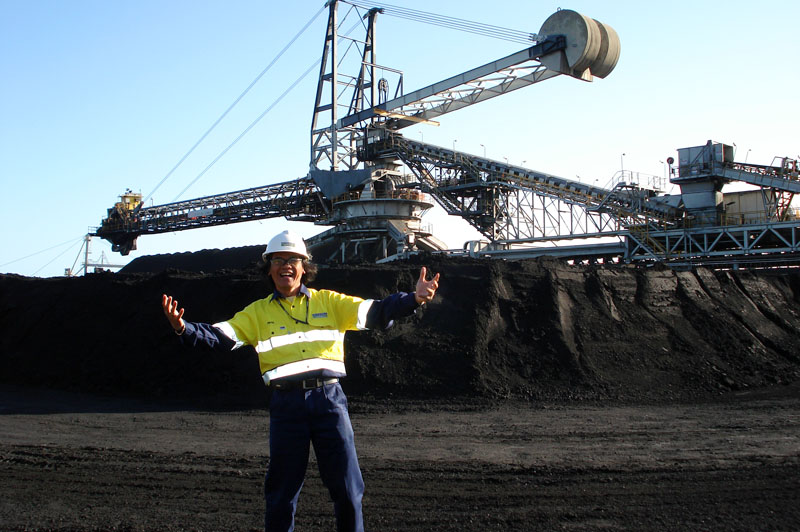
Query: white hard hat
[286,241]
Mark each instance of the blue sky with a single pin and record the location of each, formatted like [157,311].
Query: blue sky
[100,96]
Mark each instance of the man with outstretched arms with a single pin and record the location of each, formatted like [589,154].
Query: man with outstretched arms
[298,333]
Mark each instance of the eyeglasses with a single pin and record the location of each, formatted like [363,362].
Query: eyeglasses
[291,261]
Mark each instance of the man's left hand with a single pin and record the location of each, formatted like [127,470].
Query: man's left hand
[426,289]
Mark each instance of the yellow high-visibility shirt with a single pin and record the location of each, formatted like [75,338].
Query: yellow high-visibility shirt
[298,336]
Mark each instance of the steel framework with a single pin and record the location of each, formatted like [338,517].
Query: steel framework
[735,244]
[299,199]
[346,102]
[506,202]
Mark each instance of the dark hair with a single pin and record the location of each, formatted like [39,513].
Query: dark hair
[309,271]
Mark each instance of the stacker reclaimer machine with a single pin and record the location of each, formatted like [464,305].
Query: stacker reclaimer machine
[373,185]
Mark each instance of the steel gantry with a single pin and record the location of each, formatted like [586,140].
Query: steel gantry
[737,244]
[737,229]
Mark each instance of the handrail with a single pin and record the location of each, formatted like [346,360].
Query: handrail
[397,194]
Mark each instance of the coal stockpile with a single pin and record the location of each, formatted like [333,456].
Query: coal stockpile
[536,329]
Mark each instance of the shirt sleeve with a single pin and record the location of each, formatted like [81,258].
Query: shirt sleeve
[242,328]
[383,312]
[205,334]
[354,313]
[348,312]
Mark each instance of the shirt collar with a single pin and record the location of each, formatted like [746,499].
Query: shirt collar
[303,290]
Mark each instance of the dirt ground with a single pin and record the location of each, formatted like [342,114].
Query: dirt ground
[74,462]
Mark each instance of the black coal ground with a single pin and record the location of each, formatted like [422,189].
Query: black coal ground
[518,340]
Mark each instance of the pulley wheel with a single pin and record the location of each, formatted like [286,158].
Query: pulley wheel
[583,37]
[609,51]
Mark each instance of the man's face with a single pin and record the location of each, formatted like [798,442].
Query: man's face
[286,270]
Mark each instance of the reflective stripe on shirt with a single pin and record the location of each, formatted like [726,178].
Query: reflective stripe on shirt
[303,366]
[228,331]
[363,309]
[315,335]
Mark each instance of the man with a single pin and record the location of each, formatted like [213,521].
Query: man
[298,334]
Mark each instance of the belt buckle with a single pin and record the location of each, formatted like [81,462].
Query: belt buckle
[310,384]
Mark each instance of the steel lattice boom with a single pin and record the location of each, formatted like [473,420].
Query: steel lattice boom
[127,220]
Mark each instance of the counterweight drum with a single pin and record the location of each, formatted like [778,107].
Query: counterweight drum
[591,44]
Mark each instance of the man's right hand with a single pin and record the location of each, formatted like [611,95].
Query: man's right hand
[173,313]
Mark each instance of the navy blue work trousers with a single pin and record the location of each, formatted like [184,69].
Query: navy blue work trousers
[319,417]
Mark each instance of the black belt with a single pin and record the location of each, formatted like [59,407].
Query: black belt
[305,384]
